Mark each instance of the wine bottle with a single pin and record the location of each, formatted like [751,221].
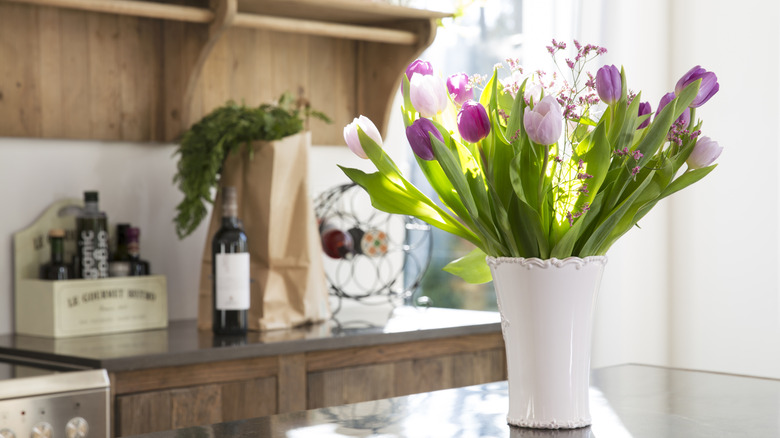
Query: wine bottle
[336,243]
[92,239]
[56,269]
[137,266]
[119,266]
[230,270]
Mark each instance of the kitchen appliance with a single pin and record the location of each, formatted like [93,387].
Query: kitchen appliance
[43,403]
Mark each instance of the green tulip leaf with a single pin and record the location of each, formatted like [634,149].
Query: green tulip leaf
[472,267]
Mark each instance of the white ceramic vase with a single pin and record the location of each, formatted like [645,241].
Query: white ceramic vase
[546,311]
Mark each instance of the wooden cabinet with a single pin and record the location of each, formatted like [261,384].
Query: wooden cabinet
[174,397]
[146,70]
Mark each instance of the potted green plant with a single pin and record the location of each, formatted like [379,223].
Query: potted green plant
[206,145]
[263,153]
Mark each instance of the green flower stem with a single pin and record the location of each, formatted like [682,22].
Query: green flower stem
[540,189]
[692,122]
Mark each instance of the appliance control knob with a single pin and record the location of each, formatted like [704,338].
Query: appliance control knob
[41,430]
[7,433]
[76,428]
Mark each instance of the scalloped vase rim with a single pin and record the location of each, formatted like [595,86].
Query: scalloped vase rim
[495,261]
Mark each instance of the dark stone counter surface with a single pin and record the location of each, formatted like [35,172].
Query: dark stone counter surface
[628,401]
[183,344]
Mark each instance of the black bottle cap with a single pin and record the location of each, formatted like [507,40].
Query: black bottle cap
[91,196]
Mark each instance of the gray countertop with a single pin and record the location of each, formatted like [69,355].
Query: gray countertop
[627,401]
[183,344]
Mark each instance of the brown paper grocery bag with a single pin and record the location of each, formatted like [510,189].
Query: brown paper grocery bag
[288,279]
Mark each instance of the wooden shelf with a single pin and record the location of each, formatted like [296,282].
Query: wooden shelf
[145,71]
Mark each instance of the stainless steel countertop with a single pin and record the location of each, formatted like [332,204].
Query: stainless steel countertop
[183,344]
[627,401]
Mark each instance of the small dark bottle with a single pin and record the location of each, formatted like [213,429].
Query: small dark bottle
[56,269]
[137,266]
[119,266]
[230,270]
[336,243]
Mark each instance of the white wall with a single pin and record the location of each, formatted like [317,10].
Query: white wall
[724,233]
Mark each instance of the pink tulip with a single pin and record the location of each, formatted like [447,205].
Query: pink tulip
[544,123]
[353,140]
[419,66]
[473,122]
[428,94]
[704,153]
[459,88]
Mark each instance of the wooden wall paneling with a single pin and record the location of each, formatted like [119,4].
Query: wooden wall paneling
[181,44]
[97,75]
[248,70]
[140,62]
[249,399]
[20,112]
[379,70]
[332,87]
[290,61]
[225,12]
[50,71]
[142,413]
[75,76]
[292,383]
[214,86]
[104,96]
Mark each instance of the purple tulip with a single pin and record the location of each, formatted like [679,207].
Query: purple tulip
[644,108]
[418,134]
[428,94]
[704,153]
[459,88]
[685,117]
[473,121]
[709,85]
[417,66]
[609,84]
[352,138]
[424,68]
[544,123]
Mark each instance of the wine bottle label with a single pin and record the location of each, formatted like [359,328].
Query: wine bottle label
[232,281]
[93,246]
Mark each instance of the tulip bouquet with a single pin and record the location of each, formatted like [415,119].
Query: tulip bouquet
[538,165]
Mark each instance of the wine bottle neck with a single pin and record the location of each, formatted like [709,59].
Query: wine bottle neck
[57,250]
[230,222]
[91,207]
